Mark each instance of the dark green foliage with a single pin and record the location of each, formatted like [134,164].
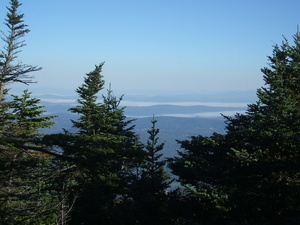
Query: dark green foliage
[102,174]
[149,188]
[251,174]
[203,197]
[153,174]
[266,146]
[10,72]
[26,194]
[26,116]
[22,170]
[101,152]
[153,166]
[89,110]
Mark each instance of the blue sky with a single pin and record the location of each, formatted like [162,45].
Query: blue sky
[158,45]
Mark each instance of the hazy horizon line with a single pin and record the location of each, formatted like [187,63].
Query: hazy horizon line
[149,104]
[192,115]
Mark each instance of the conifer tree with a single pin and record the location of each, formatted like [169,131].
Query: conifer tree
[153,166]
[87,107]
[26,116]
[150,190]
[201,169]
[253,171]
[265,142]
[11,71]
[101,149]
[22,169]
[25,172]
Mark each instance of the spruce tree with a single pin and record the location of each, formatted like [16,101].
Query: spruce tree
[11,71]
[266,142]
[153,171]
[149,192]
[26,116]
[88,108]
[26,173]
[101,148]
[253,170]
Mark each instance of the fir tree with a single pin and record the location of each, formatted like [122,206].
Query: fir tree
[101,148]
[266,142]
[153,166]
[10,72]
[87,107]
[253,171]
[25,171]
[149,191]
[26,116]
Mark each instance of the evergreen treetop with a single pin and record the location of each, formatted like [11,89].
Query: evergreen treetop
[88,108]
[251,175]
[10,72]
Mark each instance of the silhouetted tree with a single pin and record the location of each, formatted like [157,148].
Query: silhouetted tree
[149,188]
[251,175]
[101,148]
[10,71]
[26,172]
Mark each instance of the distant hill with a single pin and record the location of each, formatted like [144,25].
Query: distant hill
[179,117]
[178,128]
[171,128]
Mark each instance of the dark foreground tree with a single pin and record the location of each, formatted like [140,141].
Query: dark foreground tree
[26,189]
[149,191]
[25,173]
[251,175]
[10,70]
[100,148]
[202,197]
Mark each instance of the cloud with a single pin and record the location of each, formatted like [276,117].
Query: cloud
[53,100]
[191,115]
[212,104]
[145,104]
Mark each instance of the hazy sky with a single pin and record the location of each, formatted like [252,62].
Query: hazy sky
[160,45]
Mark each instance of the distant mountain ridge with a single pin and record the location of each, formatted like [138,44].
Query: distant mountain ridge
[171,128]
[179,117]
[209,105]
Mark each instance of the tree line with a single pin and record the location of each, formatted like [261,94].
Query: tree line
[101,173]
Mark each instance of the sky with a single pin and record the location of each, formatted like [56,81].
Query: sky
[169,46]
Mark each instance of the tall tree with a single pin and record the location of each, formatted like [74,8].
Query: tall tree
[26,173]
[149,193]
[266,142]
[101,148]
[89,121]
[257,177]
[10,71]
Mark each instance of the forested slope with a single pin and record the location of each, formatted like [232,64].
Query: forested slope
[109,169]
